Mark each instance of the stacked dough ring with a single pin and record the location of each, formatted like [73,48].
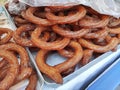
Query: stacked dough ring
[75,32]
[11,71]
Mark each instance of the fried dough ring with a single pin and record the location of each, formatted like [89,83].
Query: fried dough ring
[23,41]
[46,36]
[20,20]
[29,15]
[93,23]
[100,49]
[32,82]
[12,72]
[100,41]
[25,70]
[114,22]
[87,55]
[80,13]
[50,71]
[7,37]
[96,35]
[3,73]
[66,53]
[69,33]
[71,62]
[108,38]
[5,66]
[54,71]
[3,70]
[114,30]
[69,71]
[2,63]
[56,45]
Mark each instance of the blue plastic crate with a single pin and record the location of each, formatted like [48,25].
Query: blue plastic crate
[109,79]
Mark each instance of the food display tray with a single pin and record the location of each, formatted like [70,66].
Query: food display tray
[79,79]
[6,18]
[86,74]
[109,79]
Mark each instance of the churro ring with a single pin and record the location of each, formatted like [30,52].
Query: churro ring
[54,72]
[66,53]
[70,18]
[55,45]
[87,55]
[25,70]
[71,62]
[19,39]
[9,33]
[70,34]
[29,15]
[20,20]
[114,30]
[100,49]
[32,82]
[97,35]
[92,22]
[114,22]
[46,69]
[12,72]
[67,72]
[2,63]
[3,73]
